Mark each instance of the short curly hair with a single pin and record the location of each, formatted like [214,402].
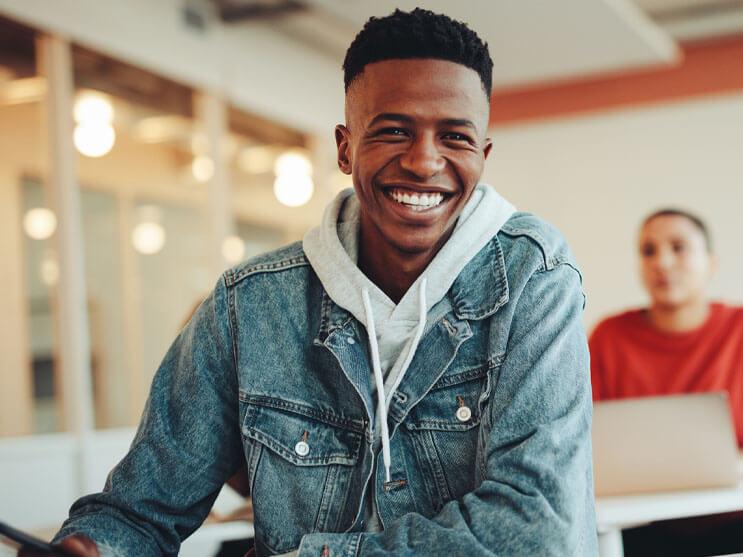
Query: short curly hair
[695,220]
[418,34]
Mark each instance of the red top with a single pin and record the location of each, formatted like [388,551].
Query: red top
[630,358]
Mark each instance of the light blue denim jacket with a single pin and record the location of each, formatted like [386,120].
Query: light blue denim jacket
[271,372]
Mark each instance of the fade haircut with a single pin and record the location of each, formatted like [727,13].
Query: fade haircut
[418,34]
[695,220]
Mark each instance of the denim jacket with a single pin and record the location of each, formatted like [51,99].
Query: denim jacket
[270,372]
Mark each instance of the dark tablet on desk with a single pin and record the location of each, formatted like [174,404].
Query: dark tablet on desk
[18,539]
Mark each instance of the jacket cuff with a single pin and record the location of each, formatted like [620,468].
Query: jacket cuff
[330,545]
[112,538]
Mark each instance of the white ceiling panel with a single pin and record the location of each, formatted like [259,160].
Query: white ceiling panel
[534,41]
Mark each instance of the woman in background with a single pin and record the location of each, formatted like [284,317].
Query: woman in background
[681,343]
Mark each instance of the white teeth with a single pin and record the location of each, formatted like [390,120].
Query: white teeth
[417,202]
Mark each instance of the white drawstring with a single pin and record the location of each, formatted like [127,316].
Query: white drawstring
[379,378]
[422,315]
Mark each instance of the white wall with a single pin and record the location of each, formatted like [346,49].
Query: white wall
[596,177]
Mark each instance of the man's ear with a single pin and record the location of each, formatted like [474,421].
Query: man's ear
[714,264]
[488,147]
[343,142]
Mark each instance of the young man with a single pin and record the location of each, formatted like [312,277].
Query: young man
[682,343]
[412,379]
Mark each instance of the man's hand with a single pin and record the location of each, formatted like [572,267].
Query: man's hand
[76,545]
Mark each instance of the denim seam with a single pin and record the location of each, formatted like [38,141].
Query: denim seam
[462,377]
[497,264]
[326,498]
[232,321]
[570,265]
[323,416]
[287,453]
[282,265]
[256,451]
[354,545]
[424,464]
[442,486]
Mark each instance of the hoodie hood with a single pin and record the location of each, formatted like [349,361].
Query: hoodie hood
[332,249]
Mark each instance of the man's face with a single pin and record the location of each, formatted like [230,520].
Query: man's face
[415,145]
[675,264]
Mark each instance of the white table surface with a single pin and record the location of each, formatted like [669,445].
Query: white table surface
[628,510]
[615,513]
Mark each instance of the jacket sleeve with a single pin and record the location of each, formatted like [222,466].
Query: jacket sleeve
[536,497]
[187,445]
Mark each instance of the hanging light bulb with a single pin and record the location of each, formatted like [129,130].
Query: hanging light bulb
[293,191]
[293,185]
[39,223]
[94,135]
[94,140]
[92,108]
[148,236]
[293,162]
[202,168]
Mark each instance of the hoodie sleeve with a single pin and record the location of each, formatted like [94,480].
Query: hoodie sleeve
[536,497]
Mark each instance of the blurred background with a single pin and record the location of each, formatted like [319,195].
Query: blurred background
[147,146]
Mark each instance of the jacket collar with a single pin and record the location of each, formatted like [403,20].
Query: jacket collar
[479,290]
[482,287]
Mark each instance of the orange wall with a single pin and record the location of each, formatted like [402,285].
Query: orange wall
[708,67]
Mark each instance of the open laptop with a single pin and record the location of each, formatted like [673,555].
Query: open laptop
[664,443]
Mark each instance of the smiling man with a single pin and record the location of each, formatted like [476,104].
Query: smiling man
[411,379]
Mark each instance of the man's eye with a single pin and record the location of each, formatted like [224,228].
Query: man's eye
[647,251]
[393,131]
[454,136]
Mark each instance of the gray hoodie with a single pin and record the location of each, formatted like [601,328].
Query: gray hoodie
[395,330]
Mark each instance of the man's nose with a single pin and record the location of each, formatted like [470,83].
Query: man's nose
[423,158]
[664,259]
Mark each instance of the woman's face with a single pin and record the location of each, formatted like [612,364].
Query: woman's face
[675,263]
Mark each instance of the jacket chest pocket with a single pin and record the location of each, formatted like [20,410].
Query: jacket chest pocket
[445,427]
[300,461]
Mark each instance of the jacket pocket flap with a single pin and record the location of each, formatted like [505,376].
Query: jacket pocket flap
[454,403]
[297,434]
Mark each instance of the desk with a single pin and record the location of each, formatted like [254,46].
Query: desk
[615,513]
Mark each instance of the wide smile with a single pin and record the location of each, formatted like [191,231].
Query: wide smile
[417,201]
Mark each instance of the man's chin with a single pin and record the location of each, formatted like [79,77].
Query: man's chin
[669,302]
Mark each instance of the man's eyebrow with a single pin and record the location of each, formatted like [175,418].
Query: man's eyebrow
[391,116]
[459,122]
[395,117]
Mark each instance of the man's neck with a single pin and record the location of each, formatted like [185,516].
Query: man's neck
[392,271]
[679,319]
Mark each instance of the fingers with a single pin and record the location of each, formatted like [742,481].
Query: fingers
[79,545]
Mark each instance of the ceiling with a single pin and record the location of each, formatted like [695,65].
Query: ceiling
[531,41]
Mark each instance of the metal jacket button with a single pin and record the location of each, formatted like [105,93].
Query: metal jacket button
[301,448]
[350,340]
[464,413]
